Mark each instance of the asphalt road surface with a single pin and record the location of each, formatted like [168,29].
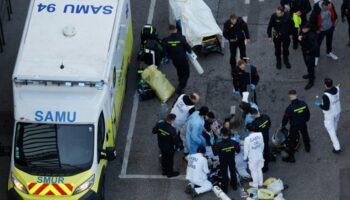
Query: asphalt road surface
[319,175]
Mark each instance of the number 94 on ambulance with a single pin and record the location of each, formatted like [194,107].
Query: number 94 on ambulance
[68,85]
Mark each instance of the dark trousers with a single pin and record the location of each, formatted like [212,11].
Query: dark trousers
[295,31]
[295,34]
[266,150]
[224,166]
[309,60]
[329,40]
[183,73]
[294,134]
[233,50]
[167,160]
[282,43]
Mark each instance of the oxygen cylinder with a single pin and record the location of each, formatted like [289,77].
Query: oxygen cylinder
[220,194]
[193,59]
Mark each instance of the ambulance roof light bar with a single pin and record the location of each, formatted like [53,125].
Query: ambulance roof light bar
[99,84]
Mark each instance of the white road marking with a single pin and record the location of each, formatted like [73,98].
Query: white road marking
[144,176]
[135,106]
[245,18]
[261,0]
[151,11]
[247,2]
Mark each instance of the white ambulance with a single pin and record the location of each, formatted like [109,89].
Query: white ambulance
[68,86]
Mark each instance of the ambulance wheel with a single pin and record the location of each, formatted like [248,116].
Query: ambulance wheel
[101,191]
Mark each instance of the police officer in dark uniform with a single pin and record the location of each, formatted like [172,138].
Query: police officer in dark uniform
[226,150]
[279,30]
[245,75]
[345,14]
[176,47]
[297,114]
[300,8]
[236,32]
[309,47]
[167,137]
[262,123]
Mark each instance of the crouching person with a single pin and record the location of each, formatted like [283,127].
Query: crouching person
[197,173]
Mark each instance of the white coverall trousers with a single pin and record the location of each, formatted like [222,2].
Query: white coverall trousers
[331,124]
[204,186]
[255,167]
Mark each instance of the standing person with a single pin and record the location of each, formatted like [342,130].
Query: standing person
[345,14]
[166,135]
[183,107]
[331,109]
[262,123]
[226,149]
[297,114]
[197,173]
[309,47]
[323,20]
[253,153]
[299,10]
[176,47]
[237,33]
[195,128]
[243,76]
[279,31]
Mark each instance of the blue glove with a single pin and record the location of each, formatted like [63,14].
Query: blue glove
[252,87]
[317,103]
[236,93]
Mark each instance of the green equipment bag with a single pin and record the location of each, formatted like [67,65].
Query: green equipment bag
[158,82]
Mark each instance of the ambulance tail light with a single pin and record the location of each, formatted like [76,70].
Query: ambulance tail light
[85,186]
[18,184]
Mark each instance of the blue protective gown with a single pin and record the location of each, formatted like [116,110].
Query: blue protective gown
[194,137]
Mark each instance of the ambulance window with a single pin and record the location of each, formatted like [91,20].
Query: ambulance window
[100,133]
[114,77]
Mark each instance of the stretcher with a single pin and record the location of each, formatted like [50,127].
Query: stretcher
[197,24]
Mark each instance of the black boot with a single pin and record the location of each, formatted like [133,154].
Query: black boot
[309,85]
[286,62]
[278,63]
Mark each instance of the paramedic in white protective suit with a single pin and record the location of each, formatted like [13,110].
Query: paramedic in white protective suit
[253,152]
[183,107]
[197,173]
[331,109]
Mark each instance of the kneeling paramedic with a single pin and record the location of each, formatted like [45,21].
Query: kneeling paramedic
[197,173]
[226,149]
[253,153]
[167,135]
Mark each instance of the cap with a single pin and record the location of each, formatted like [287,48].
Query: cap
[292,92]
[203,111]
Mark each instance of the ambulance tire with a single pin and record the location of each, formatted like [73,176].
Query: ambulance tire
[101,189]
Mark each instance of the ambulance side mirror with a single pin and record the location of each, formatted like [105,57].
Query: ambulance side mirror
[109,154]
[5,151]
